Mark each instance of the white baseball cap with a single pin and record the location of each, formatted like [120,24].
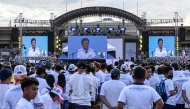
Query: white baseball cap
[57,91]
[20,70]
[124,67]
[71,67]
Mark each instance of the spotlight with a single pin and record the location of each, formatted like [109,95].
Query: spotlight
[73,29]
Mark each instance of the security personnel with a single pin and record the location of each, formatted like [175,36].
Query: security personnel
[160,51]
[33,51]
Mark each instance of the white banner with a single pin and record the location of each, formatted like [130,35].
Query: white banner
[130,50]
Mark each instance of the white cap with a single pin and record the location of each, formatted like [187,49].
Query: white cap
[20,70]
[124,66]
[71,67]
[57,91]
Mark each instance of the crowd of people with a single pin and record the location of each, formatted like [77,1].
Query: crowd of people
[95,85]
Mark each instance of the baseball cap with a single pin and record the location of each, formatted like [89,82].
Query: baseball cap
[20,70]
[71,67]
[81,65]
[115,71]
[123,67]
[36,67]
[57,91]
[5,73]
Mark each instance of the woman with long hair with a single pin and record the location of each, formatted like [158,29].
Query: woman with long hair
[64,86]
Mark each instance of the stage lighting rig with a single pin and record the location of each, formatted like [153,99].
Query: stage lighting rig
[122,30]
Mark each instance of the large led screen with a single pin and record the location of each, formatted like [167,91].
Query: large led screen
[161,46]
[87,47]
[34,46]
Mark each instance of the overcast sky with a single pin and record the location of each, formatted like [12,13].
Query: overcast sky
[41,9]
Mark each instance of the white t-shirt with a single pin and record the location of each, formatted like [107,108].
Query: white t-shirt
[100,75]
[56,104]
[66,92]
[111,90]
[95,85]
[187,90]
[3,89]
[178,82]
[83,54]
[186,73]
[160,76]
[14,94]
[107,77]
[126,79]
[24,104]
[154,81]
[81,85]
[67,77]
[169,85]
[48,102]
[55,74]
[146,82]
[48,71]
[138,96]
[42,83]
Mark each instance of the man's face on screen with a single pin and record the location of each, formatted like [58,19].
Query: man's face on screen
[85,44]
[33,44]
[160,43]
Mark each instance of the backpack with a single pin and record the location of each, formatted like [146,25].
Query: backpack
[161,90]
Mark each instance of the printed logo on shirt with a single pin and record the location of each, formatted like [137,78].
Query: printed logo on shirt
[38,105]
[180,80]
[138,88]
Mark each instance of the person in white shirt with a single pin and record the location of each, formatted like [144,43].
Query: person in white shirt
[30,89]
[108,75]
[5,78]
[50,81]
[160,72]
[171,91]
[148,75]
[186,94]
[124,77]
[138,95]
[154,80]
[48,69]
[187,72]
[71,69]
[110,90]
[85,52]
[40,77]
[80,87]
[95,85]
[160,51]
[103,68]
[15,93]
[56,73]
[178,82]
[33,51]
[51,97]
[100,75]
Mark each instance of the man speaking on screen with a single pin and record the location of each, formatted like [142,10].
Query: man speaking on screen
[160,51]
[85,52]
[33,51]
